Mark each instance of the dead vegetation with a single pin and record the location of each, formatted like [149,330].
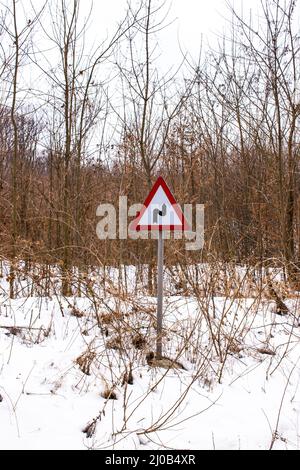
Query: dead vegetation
[109,394]
[85,361]
[164,362]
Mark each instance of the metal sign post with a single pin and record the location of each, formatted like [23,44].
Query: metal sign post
[160,294]
[160,212]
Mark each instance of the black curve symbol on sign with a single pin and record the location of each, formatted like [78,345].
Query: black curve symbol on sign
[157,212]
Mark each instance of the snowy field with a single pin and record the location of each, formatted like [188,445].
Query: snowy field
[74,373]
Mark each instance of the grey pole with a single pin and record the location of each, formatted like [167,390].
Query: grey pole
[160,268]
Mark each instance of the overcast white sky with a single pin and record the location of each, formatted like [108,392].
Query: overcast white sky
[193,20]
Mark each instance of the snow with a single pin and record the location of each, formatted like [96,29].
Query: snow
[234,397]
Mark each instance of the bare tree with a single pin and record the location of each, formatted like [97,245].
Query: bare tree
[151,100]
[19,36]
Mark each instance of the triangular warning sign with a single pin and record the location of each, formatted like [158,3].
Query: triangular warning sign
[160,211]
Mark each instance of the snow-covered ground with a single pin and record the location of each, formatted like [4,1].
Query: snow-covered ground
[63,360]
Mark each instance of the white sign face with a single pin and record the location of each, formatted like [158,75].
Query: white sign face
[160,211]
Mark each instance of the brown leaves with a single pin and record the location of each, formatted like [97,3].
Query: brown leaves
[85,361]
[163,362]
[266,351]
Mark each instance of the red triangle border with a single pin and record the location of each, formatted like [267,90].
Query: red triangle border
[134,225]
